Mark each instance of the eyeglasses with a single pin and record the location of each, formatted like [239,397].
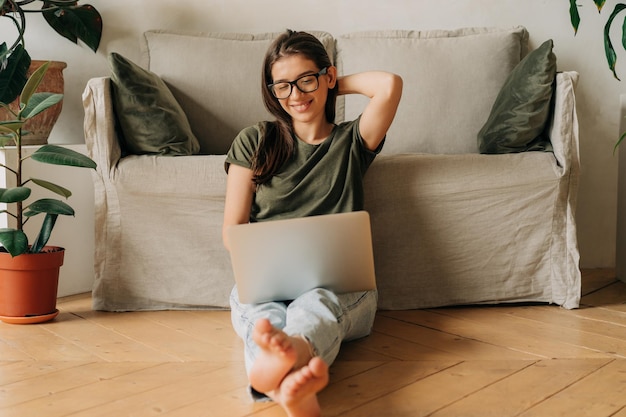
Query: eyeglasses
[307,84]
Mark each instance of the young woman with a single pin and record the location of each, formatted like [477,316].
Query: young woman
[303,164]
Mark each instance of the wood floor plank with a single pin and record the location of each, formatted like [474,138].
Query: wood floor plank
[32,394]
[12,353]
[602,393]
[522,390]
[36,342]
[14,372]
[427,395]
[173,395]
[620,413]
[212,328]
[104,343]
[274,411]
[577,329]
[345,369]
[595,279]
[504,334]
[356,351]
[350,393]
[403,349]
[75,303]
[460,347]
[236,403]
[611,295]
[93,393]
[601,314]
[528,336]
[199,323]
[141,329]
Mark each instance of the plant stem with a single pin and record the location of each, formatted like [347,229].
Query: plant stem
[8,168]
[18,177]
[8,213]
[20,25]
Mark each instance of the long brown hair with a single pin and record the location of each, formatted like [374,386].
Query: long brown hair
[277,142]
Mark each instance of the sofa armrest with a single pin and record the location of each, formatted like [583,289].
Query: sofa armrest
[100,136]
[565,143]
[563,127]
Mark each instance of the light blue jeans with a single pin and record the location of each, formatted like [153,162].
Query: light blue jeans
[324,318]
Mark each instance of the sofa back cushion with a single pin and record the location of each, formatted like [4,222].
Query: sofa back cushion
[216,79]
[451,80]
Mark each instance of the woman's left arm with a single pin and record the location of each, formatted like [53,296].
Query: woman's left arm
[384,90]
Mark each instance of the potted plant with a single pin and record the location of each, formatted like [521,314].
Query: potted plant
[23,297]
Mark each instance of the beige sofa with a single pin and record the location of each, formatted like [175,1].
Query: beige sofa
[450,226]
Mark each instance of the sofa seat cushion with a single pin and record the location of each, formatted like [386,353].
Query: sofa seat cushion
[451,79]
[461,234]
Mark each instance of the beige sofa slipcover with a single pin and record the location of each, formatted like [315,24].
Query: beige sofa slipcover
[450,226]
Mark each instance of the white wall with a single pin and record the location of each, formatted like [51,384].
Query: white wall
[598,93]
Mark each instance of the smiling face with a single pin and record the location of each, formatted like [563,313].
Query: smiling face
[303,107]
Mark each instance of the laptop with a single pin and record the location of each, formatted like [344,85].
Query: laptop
[281,259]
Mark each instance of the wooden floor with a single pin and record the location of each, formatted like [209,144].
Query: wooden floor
[474,361]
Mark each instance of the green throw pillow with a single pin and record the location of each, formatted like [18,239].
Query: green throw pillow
[150,118]
[519,115]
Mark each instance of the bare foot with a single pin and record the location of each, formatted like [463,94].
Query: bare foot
[297,393]
[277,358]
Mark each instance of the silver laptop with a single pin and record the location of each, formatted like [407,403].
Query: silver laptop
[281,259]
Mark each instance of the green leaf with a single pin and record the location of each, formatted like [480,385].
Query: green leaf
[38,103]
[57,189]
[58,155]
[574,17]
[14,241]
[624,34]
[599,4]
[33,82]
[8,132]
[13,195]
[13,76]
[44,233]
[619,142]
[75,22]
[4,53]
[611,57]
[10,127]
[49,206]
[6,140]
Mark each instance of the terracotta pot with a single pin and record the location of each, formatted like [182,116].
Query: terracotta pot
[40,126]
[28,285]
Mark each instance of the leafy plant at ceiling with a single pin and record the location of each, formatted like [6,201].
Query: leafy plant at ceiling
[70,20]
[609,50]
[611,56]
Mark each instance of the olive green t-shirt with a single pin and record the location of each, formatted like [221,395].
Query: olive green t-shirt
[318,179]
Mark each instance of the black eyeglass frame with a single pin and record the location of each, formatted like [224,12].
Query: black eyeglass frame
[293,83]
